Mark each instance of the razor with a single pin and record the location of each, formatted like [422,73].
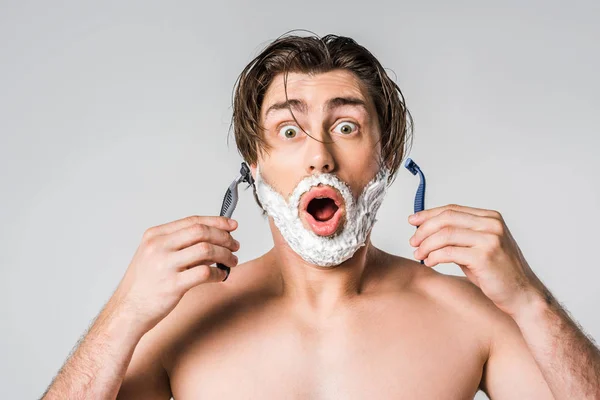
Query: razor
[230,201]
[420,196]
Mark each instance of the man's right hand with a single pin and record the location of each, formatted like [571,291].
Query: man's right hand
[171,259]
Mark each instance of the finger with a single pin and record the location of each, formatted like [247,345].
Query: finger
[470,275]
[464,256]
[449,236]
[220,222]
[198,275]
[418,218]
[202,253]
[197,233]
[448,218]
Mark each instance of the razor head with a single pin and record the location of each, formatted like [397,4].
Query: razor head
[411,166]
[246,174]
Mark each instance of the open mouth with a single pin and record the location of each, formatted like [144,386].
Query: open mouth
[323,209]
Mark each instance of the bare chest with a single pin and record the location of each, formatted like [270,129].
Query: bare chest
[353,356]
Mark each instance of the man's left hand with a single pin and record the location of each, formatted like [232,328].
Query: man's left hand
[479,242]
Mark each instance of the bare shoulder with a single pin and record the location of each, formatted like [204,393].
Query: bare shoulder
[452,294]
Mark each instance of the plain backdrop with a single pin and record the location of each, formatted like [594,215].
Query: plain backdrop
[114,118]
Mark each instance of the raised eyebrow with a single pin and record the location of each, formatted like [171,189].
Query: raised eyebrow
[331,104]
[295,104]
[337,102]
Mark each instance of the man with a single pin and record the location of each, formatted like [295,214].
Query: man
[325,314]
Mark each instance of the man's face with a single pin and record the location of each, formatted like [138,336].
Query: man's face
[332,107]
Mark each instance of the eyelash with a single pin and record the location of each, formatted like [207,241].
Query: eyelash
[286,124]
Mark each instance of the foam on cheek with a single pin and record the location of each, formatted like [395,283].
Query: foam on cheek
[320,250]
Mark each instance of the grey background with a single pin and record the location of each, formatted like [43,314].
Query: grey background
[114,118]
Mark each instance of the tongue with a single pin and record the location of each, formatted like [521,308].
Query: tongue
[322,209]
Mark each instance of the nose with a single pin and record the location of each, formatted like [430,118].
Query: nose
[319,158]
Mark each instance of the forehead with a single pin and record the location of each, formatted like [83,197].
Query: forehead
[315,89]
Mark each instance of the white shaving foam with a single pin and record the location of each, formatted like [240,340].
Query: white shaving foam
[324,251]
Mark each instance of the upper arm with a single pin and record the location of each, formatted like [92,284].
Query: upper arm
[146,377]
[511,371]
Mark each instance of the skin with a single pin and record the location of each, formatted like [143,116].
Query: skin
[375,326]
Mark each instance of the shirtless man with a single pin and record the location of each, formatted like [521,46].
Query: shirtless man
[354,322]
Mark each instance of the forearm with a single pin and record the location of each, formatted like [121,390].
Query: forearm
[568,359]
[96,368]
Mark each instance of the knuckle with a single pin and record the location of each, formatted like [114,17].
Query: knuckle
[497,227]
[448,212]
[151,244]
[149,233]
[221,235]
[206,249]
[448,232]
[204,273]
[199,230]
[193,219]
[496,214]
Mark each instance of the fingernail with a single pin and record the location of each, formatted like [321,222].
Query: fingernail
[412,217]
[232,223]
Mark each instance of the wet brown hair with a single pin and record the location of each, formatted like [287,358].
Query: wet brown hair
[313,55]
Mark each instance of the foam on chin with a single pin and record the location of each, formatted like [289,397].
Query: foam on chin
[321,250]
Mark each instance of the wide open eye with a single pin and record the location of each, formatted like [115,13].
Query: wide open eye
[288,131]
[347,127]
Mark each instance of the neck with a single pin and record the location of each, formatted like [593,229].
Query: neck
[315,290]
